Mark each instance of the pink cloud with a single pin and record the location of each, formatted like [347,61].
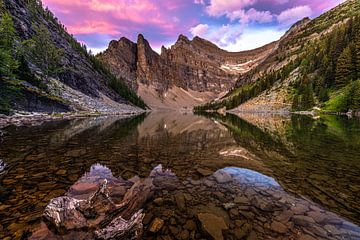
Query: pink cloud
[161,21]
[116,18]
[294,14]
[99,27]
[251,15]
[199,30]
[222,7]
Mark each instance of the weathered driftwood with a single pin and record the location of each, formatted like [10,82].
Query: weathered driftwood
[120,228]
[99,213]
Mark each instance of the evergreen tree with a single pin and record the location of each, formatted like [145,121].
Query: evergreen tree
[344,68]
[354,96]
[295,103]
[357,54]
[2,7]
[42,52]
[308,100]
[8,63]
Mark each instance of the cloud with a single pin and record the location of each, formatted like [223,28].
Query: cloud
[99,27]
[290,16]
[237,37]
[222,7]
[254,38]
[201,2]
[159,20]
[251,15]
[199,30]
[96,22]
[221,35]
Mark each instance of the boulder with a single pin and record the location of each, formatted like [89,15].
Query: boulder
[212,225]
[156,225]
[222,176]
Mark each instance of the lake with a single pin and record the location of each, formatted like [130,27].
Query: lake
[249,176]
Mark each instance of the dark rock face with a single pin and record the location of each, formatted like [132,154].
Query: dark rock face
[79,72]
[195,64]
[124,61]
[33,101]
[36,103]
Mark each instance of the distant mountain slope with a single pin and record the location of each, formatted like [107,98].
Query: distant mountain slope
[314,63]
[194,71]
[76,68]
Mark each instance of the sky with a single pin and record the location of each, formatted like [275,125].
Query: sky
[233,25]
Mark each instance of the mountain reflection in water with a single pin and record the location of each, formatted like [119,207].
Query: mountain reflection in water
[317,159]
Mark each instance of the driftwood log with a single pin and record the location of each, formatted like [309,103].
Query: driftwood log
[98,214]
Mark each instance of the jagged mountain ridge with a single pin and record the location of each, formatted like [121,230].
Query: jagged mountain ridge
[291,70]
[200,68]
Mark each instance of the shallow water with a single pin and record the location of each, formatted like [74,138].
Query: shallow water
[279,172]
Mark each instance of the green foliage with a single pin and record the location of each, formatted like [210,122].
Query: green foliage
[2,6]
[344,68]
[357,52]
[323,95]
[41,51]
[8,63]
[120,88]
[344,99]
[304,98]
[353,97]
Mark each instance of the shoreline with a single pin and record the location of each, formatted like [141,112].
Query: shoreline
[286,113]
[35,118]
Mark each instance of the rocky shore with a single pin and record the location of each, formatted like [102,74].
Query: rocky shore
[35,119]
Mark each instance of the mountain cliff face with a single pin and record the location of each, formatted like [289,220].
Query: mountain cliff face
[192,70]
[86,78]
[315,64]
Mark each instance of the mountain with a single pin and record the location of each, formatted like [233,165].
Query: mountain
[188,73]
[315,64]
[49,70]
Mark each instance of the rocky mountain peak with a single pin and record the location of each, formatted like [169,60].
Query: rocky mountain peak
[198,41]
[197,65]
[183,38]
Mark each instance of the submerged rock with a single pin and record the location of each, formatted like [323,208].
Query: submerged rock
[222,176]
[156,225]
[212,225]
[180,201]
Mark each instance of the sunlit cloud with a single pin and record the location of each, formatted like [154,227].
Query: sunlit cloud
[225,22]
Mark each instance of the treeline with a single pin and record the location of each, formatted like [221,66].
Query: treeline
[330,63]
[16,56]
[248,91]
[327,66]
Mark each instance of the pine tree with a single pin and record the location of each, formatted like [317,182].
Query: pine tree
[42,52]
[344,68]
[8,63]
[2,6]
[7,32]
[354,96]
[295,103]
[357,54]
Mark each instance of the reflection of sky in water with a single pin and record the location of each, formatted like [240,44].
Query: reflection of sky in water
[97,172]
[246,176]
